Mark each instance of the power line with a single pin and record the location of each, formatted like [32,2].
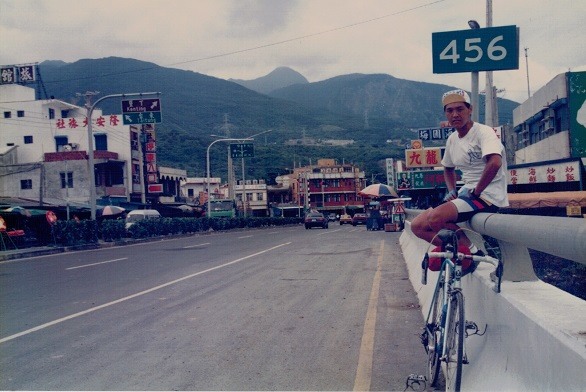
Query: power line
[226,54]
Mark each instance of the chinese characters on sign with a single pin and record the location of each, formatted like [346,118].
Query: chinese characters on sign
[423,179]
[427,134]
[74,122]
[17,74]
[558,172]
[150,154]
[425,157]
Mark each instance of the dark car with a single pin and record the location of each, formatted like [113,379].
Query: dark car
[359,219]
[316,219]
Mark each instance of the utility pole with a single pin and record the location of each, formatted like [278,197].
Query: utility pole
[527,68]
[490,97]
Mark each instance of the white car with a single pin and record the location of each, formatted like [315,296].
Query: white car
[137,215]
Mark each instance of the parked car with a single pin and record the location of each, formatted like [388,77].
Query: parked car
[137,215]
[345,219]
[316,219]
[332,217]
[359,219]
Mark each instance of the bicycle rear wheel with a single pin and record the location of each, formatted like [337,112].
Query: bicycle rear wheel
[455,343]
[434,336]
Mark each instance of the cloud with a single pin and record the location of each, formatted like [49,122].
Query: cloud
[246,39]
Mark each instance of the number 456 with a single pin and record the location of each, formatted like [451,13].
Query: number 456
[493,51]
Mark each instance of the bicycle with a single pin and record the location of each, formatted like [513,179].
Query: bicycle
[445,326]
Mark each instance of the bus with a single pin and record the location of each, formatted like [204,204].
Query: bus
[222,208]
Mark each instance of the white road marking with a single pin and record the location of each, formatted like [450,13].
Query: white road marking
[195,246]
[245,236]
[84,312]
[92,264]
[364,369]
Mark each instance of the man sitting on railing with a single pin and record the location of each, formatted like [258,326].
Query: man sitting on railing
[476,150]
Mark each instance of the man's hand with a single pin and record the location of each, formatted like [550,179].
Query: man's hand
[451,195]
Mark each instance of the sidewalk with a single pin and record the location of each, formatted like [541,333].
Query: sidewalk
[13,254]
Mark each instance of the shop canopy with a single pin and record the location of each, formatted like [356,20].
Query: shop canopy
[547,199]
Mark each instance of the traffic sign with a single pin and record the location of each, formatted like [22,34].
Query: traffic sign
[141,105]
[141,118]
[487,49]
[435,133]
[242,150]
[155,188]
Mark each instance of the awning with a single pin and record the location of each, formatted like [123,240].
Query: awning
[547,199]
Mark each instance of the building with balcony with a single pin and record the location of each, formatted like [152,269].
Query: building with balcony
[44,154]
[256,202]
[328,186]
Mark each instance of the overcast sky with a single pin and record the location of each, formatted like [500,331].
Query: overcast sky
[246,39]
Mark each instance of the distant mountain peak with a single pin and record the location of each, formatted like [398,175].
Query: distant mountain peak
[280,77]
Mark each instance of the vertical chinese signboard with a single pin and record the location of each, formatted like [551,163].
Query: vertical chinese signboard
[150,159]
[577,106]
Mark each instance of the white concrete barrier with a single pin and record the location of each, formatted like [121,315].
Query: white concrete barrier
[536,333]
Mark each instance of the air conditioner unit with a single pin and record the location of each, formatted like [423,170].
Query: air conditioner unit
[74,146]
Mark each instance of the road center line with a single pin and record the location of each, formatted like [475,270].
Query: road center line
[244,236]
[195,246]
[92,264]
[364,369]
[90,310]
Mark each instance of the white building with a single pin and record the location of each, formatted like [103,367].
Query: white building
[256,197]
[44,152]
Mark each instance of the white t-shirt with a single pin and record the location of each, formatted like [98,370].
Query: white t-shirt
[469,155]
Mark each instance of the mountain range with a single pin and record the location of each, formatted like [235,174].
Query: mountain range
[349,117]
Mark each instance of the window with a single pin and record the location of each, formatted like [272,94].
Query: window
[7,114]
[259,196]
[64,113]
[190,192]
[101,142]
[60,142]
[20,113]
[51,114]
[26,184]
[66,180]
[28,140]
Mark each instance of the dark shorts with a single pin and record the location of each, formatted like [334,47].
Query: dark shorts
[470,206]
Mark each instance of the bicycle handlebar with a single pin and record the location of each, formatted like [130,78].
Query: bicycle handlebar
[482,259]
[462,256]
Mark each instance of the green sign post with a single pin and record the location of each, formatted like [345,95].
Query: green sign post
[487,49]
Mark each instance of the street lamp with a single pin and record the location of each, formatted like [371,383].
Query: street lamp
[474,81]
[229,158]
[208,166]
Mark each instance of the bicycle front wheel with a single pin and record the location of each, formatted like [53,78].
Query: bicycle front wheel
[455,343]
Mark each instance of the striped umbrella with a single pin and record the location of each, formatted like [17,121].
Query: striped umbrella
[378,190]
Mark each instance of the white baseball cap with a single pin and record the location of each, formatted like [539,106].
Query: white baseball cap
[455,96]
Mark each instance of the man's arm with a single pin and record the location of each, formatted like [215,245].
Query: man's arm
[493,164]
[450,178]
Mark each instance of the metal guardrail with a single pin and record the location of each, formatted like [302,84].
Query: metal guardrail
[563,237]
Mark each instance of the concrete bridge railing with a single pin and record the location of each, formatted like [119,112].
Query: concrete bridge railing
[536,333]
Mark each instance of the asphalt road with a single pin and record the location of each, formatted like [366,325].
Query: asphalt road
[267,309]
